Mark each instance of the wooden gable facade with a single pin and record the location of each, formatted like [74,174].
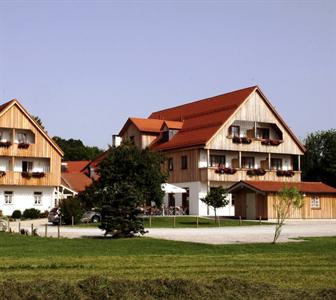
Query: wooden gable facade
[29,157]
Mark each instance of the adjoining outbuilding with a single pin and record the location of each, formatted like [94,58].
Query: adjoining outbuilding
[255,199]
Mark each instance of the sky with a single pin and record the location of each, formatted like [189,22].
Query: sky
[84,67]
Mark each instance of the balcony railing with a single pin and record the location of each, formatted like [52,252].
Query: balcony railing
[233,174]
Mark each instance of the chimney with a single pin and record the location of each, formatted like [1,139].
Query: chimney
[116,140]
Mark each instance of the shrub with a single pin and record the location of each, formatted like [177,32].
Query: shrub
[16,214]
[31,213]
[71,207]
[44,214]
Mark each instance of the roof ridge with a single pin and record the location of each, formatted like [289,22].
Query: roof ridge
[205,99]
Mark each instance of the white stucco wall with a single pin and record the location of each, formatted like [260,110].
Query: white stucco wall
[197,191]
[39,164]
[23,198]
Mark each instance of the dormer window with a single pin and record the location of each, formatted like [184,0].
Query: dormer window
[234,131]
[165,136]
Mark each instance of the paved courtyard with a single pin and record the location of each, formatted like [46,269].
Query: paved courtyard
[222,235]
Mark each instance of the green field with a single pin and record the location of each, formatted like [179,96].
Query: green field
[299,269]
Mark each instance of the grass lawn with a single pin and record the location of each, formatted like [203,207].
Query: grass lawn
[307,267]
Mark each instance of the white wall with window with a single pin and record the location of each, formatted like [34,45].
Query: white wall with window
[24,136]
[197,191]
[32,165]
[5,135]
[21,198]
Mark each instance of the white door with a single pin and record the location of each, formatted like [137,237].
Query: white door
[250,206]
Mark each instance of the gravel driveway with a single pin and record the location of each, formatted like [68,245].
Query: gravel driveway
[223,235]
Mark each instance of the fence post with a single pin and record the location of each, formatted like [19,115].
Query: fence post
[218,222]
[58,231]
[259,220]
[240,220]
[32,228]
[72,221]
[19,227]
[150,221]
[174,221]
[196,221]
[46,230]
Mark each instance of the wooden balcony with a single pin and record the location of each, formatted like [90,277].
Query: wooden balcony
[210,174]
[17,150]
[16,178]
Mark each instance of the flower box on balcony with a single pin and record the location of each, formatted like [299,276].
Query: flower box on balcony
[5,144]
[236,140]
[270,142]
[241,140]
[246,140]
[38,174]
[256,172]
[23,145]
[223,170]
[288,173]
[26,175]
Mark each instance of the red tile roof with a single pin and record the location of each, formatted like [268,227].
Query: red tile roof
[173,124]
[76,181]
[76,166]
[201,119]
[144,125]
[275,186]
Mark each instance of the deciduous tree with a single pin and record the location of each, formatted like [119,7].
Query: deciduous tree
[319,163]
[287,198]
[217,198]
[128,177]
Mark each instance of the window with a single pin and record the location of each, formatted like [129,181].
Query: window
[276,163]
[165,136]
[315,202]
[216,160]
[27,166]
[8,197]
[170,164]
[171,200]
[234,131]
[184,162]
[263,133]
[22,138]
[37,198]
[247,162]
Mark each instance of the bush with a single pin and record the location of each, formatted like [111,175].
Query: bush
[16,214]
[31,213]
[71,207]
[44,214]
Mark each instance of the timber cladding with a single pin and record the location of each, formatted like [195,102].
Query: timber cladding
[15,120]
[327,209]
[179,174]
[264,206]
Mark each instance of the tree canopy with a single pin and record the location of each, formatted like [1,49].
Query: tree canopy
[128,178]
[319,163]
[217,198]
[287,198]
[76,150]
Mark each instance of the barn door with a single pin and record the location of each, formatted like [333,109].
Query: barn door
[250,206]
